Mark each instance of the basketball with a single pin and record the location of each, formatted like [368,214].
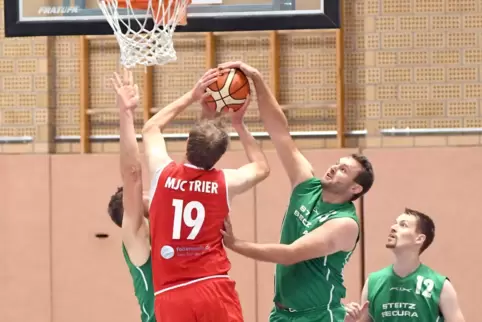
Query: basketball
[229,92]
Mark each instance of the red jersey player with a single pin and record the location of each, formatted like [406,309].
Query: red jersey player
[189,202]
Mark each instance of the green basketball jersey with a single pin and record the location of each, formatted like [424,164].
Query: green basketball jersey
[411,298]
[316,283]
[143,288]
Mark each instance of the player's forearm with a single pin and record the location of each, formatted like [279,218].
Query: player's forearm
[252,149]
[129,150]
[272,253]
[269,110]
[168,113]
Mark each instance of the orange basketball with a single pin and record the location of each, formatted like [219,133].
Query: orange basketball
[229,92]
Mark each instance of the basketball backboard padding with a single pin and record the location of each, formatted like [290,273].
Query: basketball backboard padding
[84,17]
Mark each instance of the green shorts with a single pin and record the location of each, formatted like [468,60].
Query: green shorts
[333,315]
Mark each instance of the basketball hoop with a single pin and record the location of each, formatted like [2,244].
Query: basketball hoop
[141,43]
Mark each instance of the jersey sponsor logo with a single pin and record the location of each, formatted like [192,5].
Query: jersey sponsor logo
[399,309]
[301,217]
[168,252]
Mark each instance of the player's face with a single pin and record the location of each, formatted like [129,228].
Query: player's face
[340,176]
[404,235]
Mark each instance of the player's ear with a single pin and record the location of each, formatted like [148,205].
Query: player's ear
[420,239]
[356,188]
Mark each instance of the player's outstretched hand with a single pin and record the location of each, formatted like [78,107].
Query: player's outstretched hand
[249,71]
[238,116]
[127,92]
[228,235]
[355,311]
[199,90]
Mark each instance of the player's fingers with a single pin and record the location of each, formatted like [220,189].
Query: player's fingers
[114,85]
[229,65]
[364,306]
[126,78]
[209,73]
[131,77]
[208,82]
[227,223]
[118,80]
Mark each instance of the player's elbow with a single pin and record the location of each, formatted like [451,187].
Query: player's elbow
[263,170]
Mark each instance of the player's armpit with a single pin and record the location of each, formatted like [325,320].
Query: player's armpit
[335,235]
[244,178]
[449,304]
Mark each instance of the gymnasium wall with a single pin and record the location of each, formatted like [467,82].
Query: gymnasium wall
[54,269]
[408,64]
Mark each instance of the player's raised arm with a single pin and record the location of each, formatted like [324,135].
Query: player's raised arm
[244,178]
[154,144]
[449,304]
[296,165]
[335,235]
[133,223]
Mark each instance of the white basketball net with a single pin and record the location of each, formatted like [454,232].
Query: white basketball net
[139,43]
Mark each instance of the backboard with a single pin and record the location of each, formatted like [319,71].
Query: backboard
[83,17]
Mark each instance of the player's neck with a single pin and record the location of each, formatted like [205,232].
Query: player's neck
[333,198]
[406,263]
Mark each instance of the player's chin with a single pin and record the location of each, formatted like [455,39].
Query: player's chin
[390,245]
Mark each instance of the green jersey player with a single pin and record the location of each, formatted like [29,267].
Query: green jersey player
[408,290]
[128,207]
[320,229]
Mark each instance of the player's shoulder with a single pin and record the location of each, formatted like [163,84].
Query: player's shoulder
[427,270]
[385,272]
[310,185]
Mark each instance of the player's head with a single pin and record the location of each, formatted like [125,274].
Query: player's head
[413,231]
[116,207]
[352,175]
[206,144]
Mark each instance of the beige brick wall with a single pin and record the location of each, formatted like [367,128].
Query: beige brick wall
[408,64]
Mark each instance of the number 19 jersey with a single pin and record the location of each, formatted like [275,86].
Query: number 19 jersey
[187,212]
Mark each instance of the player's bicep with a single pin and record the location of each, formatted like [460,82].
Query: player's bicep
[449,304]
[242,179]
[335,235]
[294,162]
[155,150]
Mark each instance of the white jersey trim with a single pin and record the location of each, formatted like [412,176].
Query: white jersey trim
[227,190]
[189,283]
[155,181]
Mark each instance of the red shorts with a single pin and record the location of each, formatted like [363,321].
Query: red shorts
[212,300]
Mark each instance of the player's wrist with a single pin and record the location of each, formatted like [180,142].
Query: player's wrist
[256,75]
[239,125]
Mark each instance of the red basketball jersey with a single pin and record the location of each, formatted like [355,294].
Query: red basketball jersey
[187,211]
